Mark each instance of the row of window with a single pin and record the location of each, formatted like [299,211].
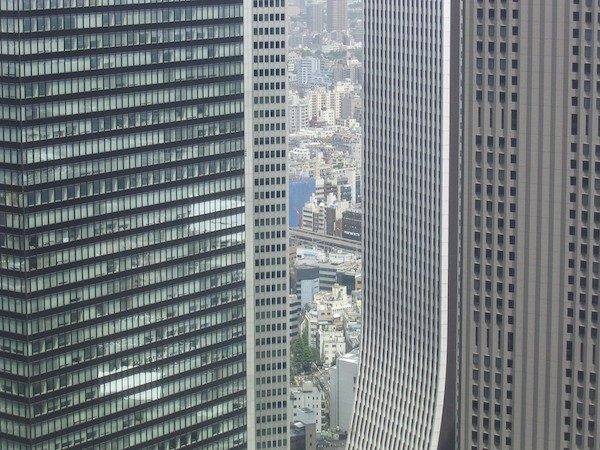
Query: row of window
[33,5]
[117,244]
[126,160]
[126,308]
[120,184]
[131,260]
[109,227]
[173,407]
[135,340]
[124,60]
[213,222]
[41,369]
[24,23]
[109,384]
[150,358]
[93,271]
[93,84]
[126,203]
[62,152]
[118,369]
[150,100]
[28,46]
[128,121]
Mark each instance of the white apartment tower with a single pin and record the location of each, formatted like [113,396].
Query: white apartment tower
[406,383]
[266,210]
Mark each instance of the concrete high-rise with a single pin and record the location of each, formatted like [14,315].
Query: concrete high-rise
[530,238]
[267,213]
[131,139]
[406,384]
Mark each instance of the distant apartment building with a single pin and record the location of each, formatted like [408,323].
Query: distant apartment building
[342,389]
[307,397]
[306,69]
[328,105]
[313,215]
[337,15]
[331,340]
[352,225]
[298,113]
[315,17]
[307,283]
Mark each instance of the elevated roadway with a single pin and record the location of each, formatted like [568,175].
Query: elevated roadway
[320,239]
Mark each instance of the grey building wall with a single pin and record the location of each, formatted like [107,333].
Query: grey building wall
[530,234]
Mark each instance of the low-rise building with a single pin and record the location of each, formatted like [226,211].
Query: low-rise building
[342,388]
[306,399]
[331,340]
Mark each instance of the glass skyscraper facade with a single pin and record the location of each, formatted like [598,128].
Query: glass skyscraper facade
[122,225]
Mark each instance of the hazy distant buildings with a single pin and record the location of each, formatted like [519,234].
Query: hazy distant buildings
[298,113]
[307,68]
[406,383]
[315,17]
[337,15]
[348,70]
[327,105]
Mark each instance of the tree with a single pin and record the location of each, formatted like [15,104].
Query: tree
[303,355]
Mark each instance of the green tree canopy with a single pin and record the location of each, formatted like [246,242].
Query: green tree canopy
[303,355]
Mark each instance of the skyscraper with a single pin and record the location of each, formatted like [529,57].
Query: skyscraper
[406,384]
[530,225]
[127,216]
[337,15]
[267,199]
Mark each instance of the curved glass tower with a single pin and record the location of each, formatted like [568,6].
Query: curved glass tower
[409,305]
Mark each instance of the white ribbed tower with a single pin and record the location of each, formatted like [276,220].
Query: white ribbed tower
[409,316]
